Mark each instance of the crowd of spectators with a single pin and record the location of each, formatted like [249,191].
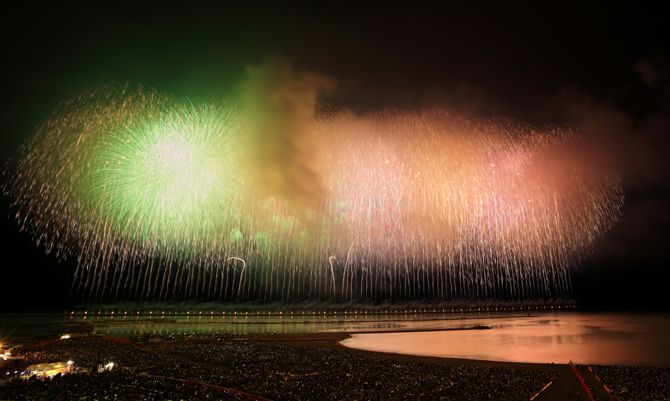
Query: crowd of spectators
[294,372]
[88,352]
[636,383]
[114,385]
[270,369]
[205,367]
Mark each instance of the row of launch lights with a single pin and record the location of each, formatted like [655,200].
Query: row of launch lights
[320,312]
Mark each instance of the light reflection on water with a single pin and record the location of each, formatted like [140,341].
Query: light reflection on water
[131,324]
[583,337]
[589,338]
[286,324]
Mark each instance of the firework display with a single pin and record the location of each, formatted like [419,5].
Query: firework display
[158,199]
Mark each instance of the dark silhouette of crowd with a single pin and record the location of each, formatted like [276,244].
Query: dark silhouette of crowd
[294,372]
[270,369]
[212,367]
[636,383]
[197,367]
[119,385]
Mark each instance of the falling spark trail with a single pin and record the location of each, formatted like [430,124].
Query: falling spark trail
[151,196]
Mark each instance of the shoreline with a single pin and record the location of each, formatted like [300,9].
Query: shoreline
[302,366]
[333,341]
[326,333]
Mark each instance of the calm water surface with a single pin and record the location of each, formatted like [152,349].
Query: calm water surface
[588,338]
[542,337]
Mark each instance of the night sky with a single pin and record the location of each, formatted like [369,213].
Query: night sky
[602,69]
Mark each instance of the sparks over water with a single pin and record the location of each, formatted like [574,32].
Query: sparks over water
[158,199]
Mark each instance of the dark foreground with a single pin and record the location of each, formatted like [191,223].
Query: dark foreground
[313,367]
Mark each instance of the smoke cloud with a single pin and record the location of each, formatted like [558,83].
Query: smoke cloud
[278,107]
